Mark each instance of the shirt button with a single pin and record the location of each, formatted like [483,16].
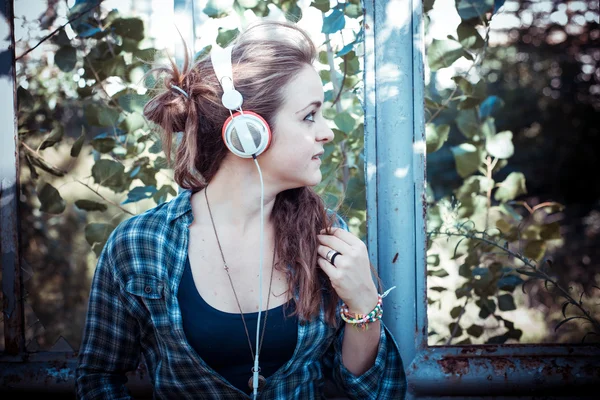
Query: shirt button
[148,289]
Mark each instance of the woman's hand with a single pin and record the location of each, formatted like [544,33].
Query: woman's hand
[350,275]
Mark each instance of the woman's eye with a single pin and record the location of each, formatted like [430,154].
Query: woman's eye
[310,117]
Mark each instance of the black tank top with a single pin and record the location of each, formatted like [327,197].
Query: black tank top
[220,340]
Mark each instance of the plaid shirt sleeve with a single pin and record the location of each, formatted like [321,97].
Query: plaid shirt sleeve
[386,379]
[110,344]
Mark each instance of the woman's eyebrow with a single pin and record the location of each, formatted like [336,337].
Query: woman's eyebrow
[316,103]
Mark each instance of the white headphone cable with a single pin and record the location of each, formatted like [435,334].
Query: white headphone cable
[256,369]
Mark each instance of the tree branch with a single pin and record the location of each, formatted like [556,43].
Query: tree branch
[54,32]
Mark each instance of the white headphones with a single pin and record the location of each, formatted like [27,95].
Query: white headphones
[245,133]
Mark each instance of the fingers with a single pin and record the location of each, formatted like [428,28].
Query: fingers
[324,250]
[344,235]
[331,271]
[335,243]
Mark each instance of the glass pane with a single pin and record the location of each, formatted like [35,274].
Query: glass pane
[514,225]
[84,144]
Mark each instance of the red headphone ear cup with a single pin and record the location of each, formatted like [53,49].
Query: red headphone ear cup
[250,139]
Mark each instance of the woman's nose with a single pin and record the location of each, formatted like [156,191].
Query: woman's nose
[325,134]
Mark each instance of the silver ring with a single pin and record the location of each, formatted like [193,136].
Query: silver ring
[330,254]
[333,258]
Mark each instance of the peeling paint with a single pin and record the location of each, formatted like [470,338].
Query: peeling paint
[61,375]
[455,365]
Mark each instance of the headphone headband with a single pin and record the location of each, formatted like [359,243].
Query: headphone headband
[221,62]
[245,129]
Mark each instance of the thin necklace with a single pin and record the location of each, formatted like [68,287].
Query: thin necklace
[261,379]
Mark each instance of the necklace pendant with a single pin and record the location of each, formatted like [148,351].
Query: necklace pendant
[261,382]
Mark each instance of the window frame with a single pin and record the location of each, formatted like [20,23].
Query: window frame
[395,168]
[395,175]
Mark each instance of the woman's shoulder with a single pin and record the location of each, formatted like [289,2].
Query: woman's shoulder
[147,236]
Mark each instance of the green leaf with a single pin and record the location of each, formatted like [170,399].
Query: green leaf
[469,9]
[443,53]
[550,231]
[509,282]
[433,260]
[55,137]
[465,86]
[334,22]
[50,199]
[475,330]
[350,65]
[103,143]
[292,11]
[490,106]
[156,147]
[487,307]
[97,232]
[477,184]
[455,328]
[498,339]
[500,145]
[160,163]
[217,8]
[512,187]
[76,148]
[323,55]
[108,117]
[353,10]
[456,311]
[66,58]
[322,5]
[25,100]
[225,36]
[139,193]
[345,122]
[428,5]
[131,102]
[133,122]
[468,36]
[437,288]
[535,249]
[462,291]
[356,193]
[89,205]
[506,302]
[467,158]
[109,173]
[438,272]
[468,123]
[61,38]
[132,28]
[161,195]
[436,136]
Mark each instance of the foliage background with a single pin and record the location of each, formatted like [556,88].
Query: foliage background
[498,117]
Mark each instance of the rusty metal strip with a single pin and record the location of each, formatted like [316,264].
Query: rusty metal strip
[14,332]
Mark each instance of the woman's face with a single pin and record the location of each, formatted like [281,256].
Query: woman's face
[299,133]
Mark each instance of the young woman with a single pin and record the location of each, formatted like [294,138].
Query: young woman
[247,250]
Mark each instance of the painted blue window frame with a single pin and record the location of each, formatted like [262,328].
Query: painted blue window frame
[395,172]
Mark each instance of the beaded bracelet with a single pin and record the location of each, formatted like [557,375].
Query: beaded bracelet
[362,320]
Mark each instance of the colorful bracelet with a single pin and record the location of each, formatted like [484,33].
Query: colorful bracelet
[362,321]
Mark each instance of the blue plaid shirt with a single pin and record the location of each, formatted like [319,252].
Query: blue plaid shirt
[133,311]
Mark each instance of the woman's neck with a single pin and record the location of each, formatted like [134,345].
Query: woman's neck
[234,195]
